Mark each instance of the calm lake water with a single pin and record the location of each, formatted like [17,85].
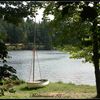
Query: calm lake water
[52,65]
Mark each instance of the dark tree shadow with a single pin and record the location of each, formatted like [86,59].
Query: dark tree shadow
[95,97]
[29,89]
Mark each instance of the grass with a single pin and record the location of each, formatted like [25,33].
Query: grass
[53,90]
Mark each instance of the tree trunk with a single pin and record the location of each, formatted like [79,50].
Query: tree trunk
[96,57]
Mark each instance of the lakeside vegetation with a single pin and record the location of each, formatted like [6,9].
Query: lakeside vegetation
[53,90]
[27,46]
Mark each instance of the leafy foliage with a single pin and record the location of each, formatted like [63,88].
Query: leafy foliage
[72,27]
[13,14]
[14,11]
[3,51]
[6,71]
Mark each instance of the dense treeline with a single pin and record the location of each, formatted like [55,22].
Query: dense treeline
[24,33]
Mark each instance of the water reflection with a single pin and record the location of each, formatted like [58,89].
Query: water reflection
[54,65]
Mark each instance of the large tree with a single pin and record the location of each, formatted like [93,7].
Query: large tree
[76,24]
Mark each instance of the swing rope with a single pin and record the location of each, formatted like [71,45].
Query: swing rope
[30,72]
[39,66]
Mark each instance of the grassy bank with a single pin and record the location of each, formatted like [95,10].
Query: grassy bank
[53,90]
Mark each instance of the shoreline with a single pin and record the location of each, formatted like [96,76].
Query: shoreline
[55,90]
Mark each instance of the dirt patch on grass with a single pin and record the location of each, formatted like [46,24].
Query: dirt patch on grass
[48,95]
[64,95]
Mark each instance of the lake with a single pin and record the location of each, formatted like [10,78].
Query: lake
[52,65]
